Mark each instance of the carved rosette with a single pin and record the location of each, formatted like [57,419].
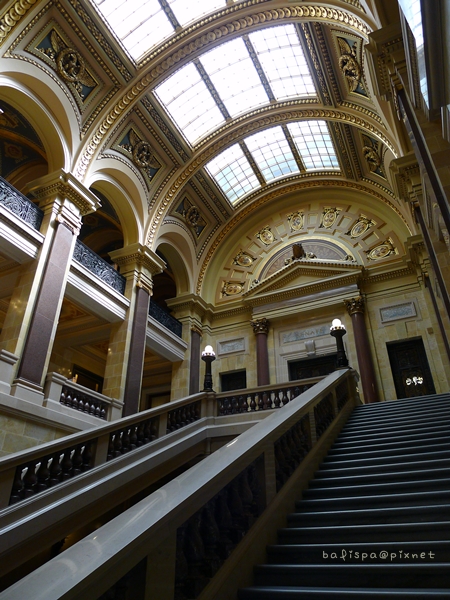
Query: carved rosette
[355,305]
[260,326]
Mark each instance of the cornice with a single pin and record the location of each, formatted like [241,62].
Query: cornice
[190,42]
[267,197]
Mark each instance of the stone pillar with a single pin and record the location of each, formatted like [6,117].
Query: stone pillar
[261,330]
[355,308]
[125,360]
[194,367]
[64,201]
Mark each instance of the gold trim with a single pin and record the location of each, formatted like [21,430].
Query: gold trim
[13,15]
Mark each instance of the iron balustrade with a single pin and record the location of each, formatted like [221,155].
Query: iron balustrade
[99,267]
[165,318]
[20,205]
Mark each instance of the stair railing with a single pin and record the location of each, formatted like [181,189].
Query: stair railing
[29,472]
[199,526]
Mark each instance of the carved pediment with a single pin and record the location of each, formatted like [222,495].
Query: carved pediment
[302,277]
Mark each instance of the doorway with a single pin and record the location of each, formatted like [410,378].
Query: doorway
[312,367]
[410,368]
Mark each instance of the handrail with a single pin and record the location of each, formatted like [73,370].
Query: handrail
[215,502]
[39,468]
[95,264]
[20,205]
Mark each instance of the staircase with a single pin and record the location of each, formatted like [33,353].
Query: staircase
[375,521]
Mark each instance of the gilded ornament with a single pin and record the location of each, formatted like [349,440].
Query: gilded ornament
[243,259]
[360,227]
[382,250]
[329,217]
[230,288]
[260,326]
[295,221]
[348,64]
[266,236]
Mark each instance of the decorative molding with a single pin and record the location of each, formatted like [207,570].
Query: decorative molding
[13,15]
[297,335]
[231,346]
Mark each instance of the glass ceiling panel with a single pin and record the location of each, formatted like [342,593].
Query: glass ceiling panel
[281,56]
[314,144]
[139,25]
[190,10]
[234,76]
[190,103]
[233,173]
[271,152]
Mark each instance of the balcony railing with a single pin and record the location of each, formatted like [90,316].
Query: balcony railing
[95,264]
[20,205]
[165,319]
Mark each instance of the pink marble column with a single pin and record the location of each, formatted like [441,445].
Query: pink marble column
[261,330]
[355,308]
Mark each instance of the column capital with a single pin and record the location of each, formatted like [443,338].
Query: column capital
[260,326]
[67,189]
[355,305]
[138,261]
[196,329]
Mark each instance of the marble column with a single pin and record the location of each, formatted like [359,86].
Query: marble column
[126,352]
[64,201]
[194,367]
[261,331]
[355,308]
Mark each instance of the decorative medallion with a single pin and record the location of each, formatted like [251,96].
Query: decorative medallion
[192,215]
[243,259]
[141,153]
[329,217]
[69,64]
[382,250]
[266,236]
[350,66]
[362,225]
[296,221]
[231,288]
[373,156]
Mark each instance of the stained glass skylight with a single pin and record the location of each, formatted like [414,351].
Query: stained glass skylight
[234,75]
[142,24]
[233,173]
[274,157]
[314,144]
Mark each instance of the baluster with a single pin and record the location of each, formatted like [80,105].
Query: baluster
[154,427]
[211,537]
[183,418]
[265,401]
[75,401]
[226,406]
[68,399]
[81,403]
[234,405]
[77,460]
[66,465]
[284,398]
[148,430]
[296,392]
[29,480]
[97,409]
[243,407]
[87,457]
[55,470]
[126,445]
[43,475]
[17,486]
[260,401]
[110,454]
[140,435]
[62,398]
[220,407]
[118,444]
[169,422]
[133,437]
[277,399]
[103,412]
[195,556]
[252,402]
[224,521]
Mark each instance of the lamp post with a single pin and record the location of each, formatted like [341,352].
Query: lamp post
[337,330]
[208,355]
